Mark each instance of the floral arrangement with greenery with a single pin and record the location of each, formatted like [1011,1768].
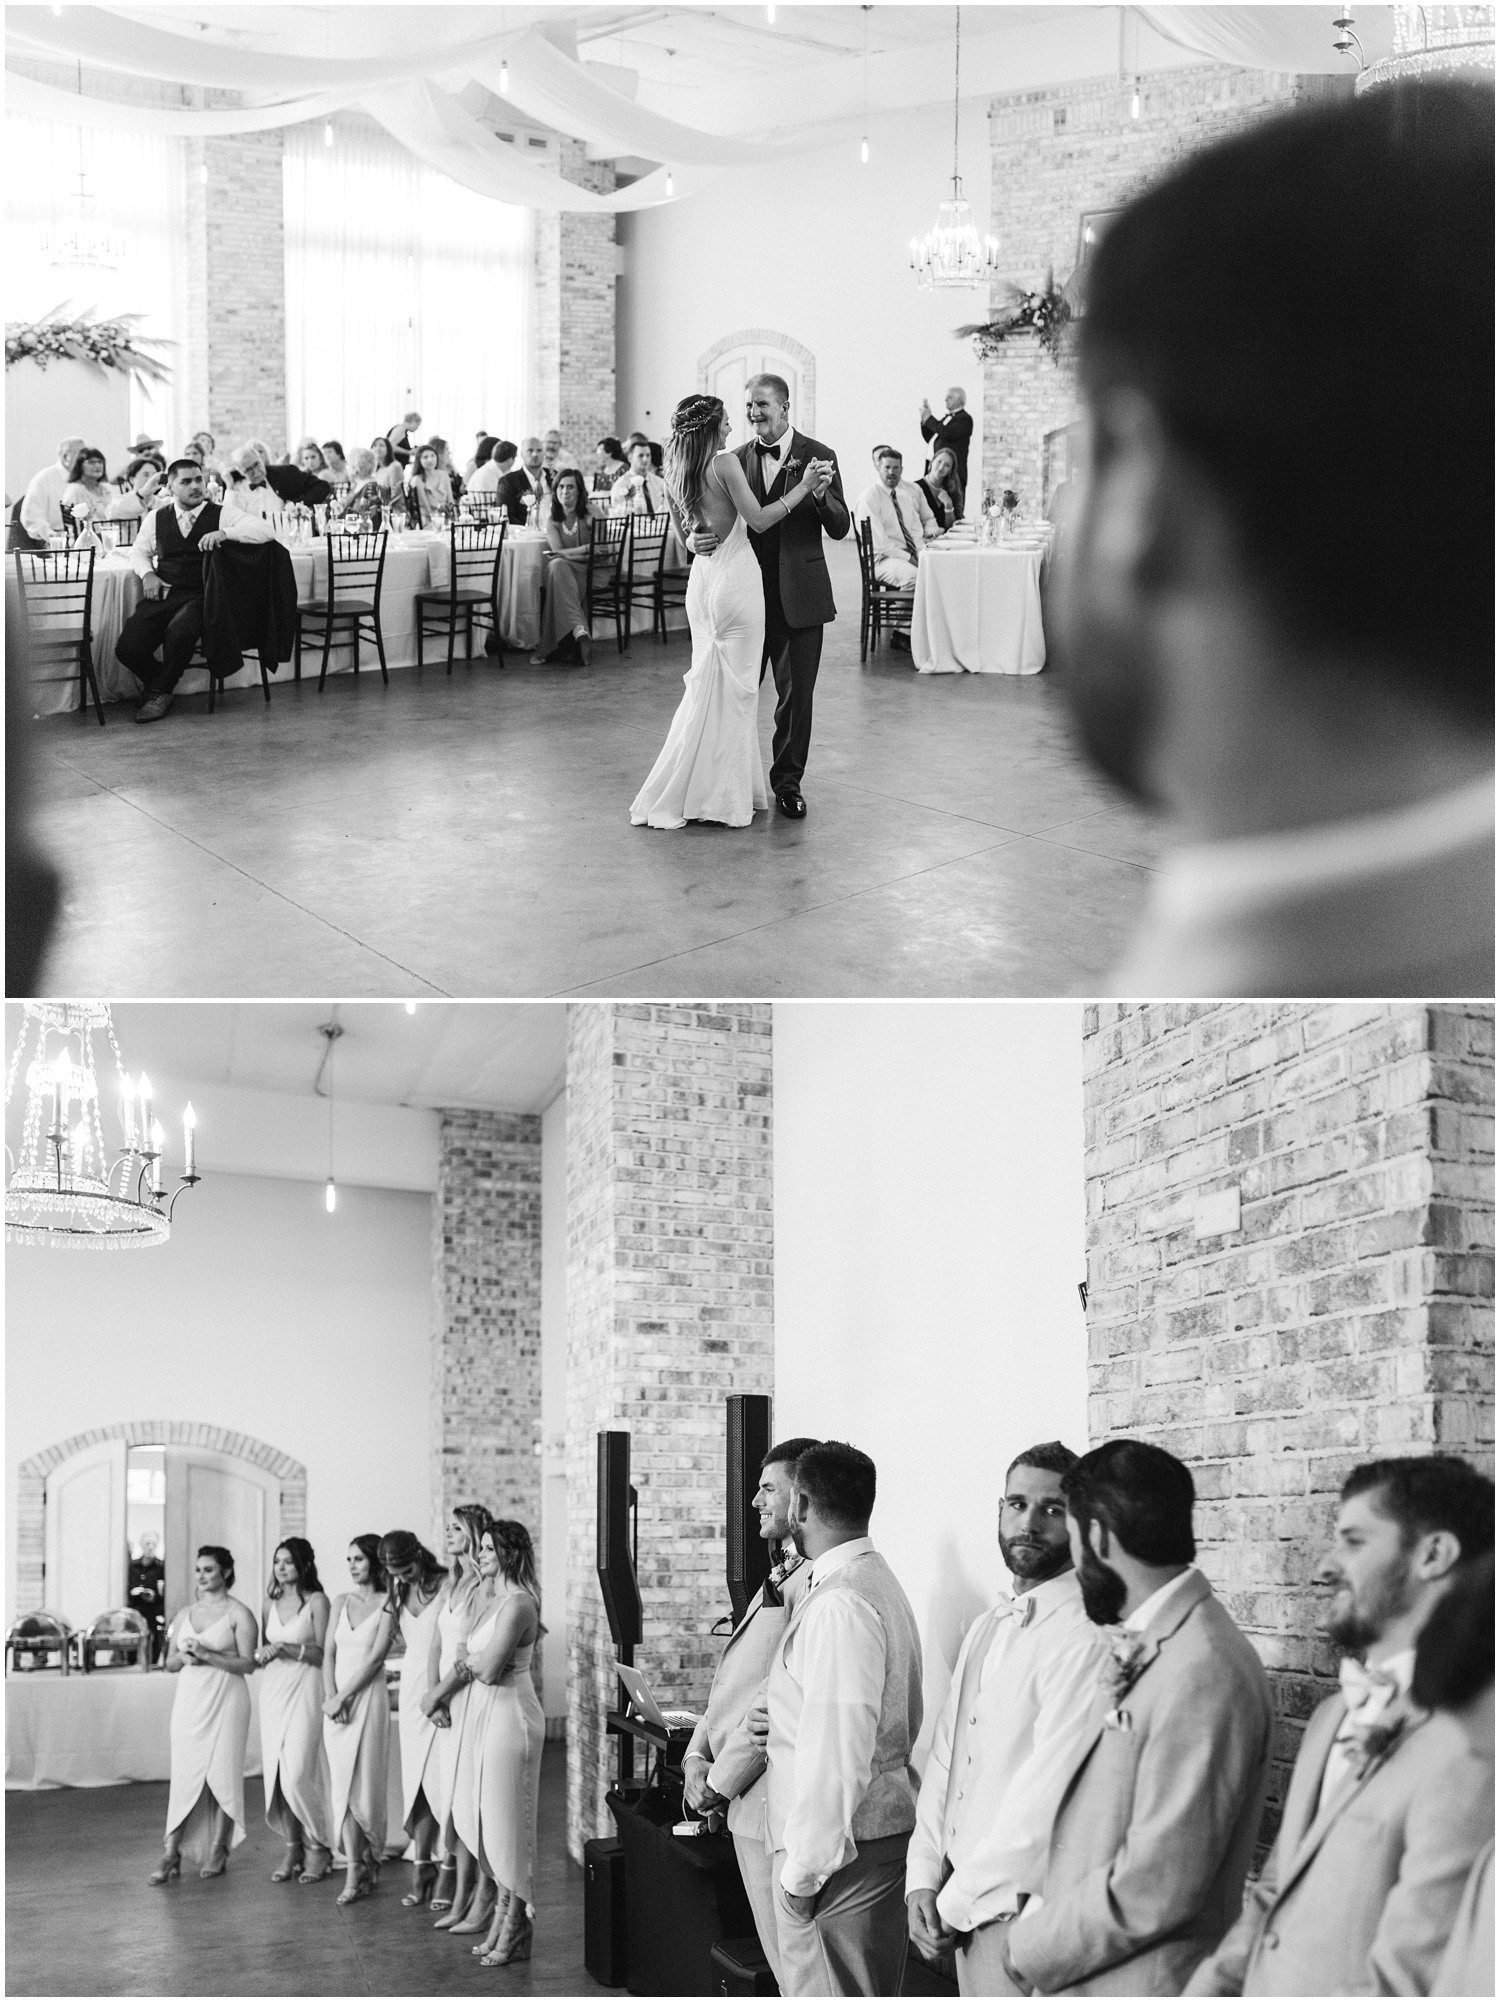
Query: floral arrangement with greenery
[104,343]
[1047,313]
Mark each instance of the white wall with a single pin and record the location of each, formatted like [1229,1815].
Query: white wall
[553,1556]
[929,1245]
[814,248]
[263,1314]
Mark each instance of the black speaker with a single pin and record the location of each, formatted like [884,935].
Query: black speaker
[747,1558]
[741,1968]
[615,1559]
[604,1912]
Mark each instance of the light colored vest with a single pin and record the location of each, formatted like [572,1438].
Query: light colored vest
[971,1700]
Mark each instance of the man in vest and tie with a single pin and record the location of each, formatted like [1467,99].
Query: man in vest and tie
[843,1707]
[724,1765]
[168,555]
[1006,1743]
[901,523]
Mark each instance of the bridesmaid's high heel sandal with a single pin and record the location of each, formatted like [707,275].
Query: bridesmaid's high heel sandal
[323,1858]
[496,1926]
[291,1864]
[423,1877]
[441,1900]
[217,1864]
[169,1867]
[362,1886]
[515,1940]
[477,1920]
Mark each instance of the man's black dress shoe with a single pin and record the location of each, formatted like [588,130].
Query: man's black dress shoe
[790,802]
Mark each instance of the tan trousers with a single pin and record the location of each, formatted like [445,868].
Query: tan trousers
[978,1963]
[755,1873]
[855,1941]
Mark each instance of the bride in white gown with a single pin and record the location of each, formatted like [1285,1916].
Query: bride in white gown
[710,767]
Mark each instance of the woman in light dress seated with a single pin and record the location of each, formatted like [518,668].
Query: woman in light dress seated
[357,1717]
[419,1585]
[308,458]
[293,1760]
[390,474]
[336,468]
[361,506]
[428,492]
[88,491]
[565,623]
[610,464]
[940,486]
[710,767]
[484,474]
[469,1902]
[508,1783]
[212,1646]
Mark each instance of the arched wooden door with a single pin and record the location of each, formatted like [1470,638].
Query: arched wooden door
[726,367]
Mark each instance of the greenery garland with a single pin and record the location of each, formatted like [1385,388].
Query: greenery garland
[1047,313]
[103,343]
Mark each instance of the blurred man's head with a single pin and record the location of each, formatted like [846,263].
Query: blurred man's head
[773,1497]
[1130,1510]
[954,400]
[833,1494]
[531,454]
[1279,528]
[1403,1528]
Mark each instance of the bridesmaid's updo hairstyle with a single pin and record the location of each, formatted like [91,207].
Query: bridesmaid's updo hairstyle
[512,1541]
[222,1558]
[370,1545]
[690,450]
[400,1548]
[301,1553]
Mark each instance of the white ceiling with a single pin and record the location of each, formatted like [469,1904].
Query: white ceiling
[496,1056]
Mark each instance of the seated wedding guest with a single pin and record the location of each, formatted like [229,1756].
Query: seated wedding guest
[610,464]
[445,462]
[445,1701]
[266,489]
[939,487]
[479,436]
[167,555]
[366,497]
[843,1706]
[88,491]
[1318,732]
[1023,1687]
[212,1647]
[294,1765]
[147,1589]
[390,473]
[529,480]
[147,447]
[1387,1810]
[418,1588]
[429,493]
[1455,1675]
[1162,1796]
[724,1766]
[555,455]
[335,465]
[641,490]
[208,445]
[357,1717]
[142,490]
[901,523]
[565,623]
[41,504]
[484,474]
[309,456]
[400,436]
[954,429]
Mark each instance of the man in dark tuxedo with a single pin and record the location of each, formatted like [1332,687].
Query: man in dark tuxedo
[952,430]
[148,1590]
[799,597]
[530,477]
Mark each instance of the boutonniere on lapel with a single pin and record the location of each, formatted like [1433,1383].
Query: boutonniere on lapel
[1129,1654]
[1369,1739]
[792,468]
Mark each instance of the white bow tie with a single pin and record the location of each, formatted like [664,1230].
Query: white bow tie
[1019,1609]
[1363,1686]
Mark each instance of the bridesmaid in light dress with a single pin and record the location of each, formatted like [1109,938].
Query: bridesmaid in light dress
[212,1646]
[510,1754]
[357,1717]
[473,1900]
[418,1588]
[445,1702]
[291,1714]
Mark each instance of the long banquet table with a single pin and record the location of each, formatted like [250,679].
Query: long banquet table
[978,607]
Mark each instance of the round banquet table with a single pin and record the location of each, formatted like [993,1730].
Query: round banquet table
[978,609]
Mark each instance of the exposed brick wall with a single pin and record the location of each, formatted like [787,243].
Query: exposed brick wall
[234,354]
[487,1316]
[1056,155]
[573,318]
[669,1310]
[1352,1314]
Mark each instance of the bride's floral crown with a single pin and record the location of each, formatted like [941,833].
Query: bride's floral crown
[696,413]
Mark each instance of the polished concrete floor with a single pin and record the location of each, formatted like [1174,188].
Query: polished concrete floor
[81,1920]
[470,837]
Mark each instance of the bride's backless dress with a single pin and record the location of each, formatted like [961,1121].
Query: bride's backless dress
[710,767]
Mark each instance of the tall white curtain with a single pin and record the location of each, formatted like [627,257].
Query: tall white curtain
[403,291]
[135,184]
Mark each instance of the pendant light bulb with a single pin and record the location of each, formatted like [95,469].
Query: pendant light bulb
[203,174]
[330,1196]
[669,184]
[1135,100]
[327,131]
[864,152]
[411,1007]
[504,77]
[771,13]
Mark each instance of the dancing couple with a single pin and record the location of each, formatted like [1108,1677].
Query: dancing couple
[758,594]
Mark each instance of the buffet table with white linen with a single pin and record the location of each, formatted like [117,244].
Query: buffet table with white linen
[978,607]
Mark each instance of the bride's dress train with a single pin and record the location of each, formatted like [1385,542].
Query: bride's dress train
[710,766]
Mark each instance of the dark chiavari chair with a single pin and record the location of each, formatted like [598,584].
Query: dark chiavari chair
[472,591]
[606,581]
[56,589]
[356,570]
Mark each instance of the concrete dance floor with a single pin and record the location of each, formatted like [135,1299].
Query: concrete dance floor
[80,1918]
[470,837]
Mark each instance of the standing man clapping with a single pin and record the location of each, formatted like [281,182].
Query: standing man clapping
[844,1699]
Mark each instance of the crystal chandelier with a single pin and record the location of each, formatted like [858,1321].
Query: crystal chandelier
[80,239]
[1429,41]
[67,1186]
[951,257]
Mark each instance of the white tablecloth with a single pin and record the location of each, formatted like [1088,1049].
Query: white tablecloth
[978,610]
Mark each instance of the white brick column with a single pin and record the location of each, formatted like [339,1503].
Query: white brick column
[573,312]
[669,1310]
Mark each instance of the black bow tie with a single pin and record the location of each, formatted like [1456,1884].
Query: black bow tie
[763,448]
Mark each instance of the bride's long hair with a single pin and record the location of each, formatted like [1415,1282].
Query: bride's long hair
[690,451]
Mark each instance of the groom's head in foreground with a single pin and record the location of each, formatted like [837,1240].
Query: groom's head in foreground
[833,1497]
[1279,607]
[1130,1525]
[767,400]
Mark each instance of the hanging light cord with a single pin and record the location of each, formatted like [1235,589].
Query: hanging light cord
[957,17]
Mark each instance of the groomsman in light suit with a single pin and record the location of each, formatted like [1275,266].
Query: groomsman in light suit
[724,1765]
[1153,1838]
[1023,1688]
[844,1705]
[1387,1808]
